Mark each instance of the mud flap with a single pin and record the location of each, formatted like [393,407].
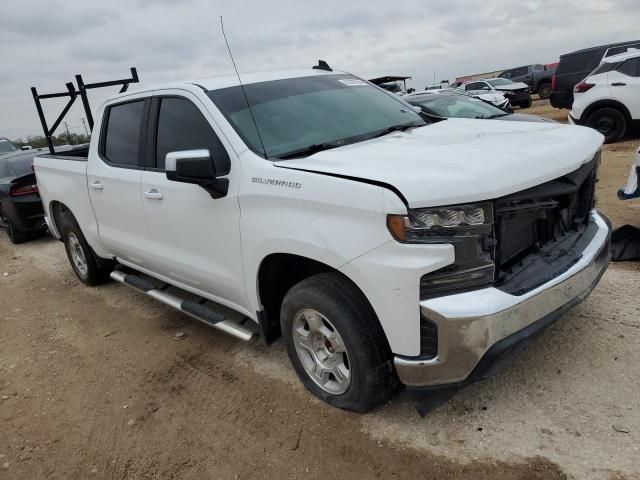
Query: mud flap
[436,398]
[625,243]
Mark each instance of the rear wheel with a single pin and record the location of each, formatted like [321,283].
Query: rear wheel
[15,235]
[88,268]
[610,122]
[544,90]
[335,343]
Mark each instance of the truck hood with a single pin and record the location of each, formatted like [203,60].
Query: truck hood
[459,160]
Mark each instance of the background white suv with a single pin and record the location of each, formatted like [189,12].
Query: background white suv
[609,98]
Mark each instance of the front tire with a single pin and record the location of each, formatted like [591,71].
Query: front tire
[610,122]
[336,344]
[84,262]
[527,103]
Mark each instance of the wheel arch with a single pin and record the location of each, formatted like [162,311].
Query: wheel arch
[56,210]
[277,273]
[606,103]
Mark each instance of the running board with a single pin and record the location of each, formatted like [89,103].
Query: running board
[189,307]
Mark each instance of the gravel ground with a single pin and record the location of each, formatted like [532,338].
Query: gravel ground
[94,384]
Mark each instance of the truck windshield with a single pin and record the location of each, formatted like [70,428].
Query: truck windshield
[6,146]
[313,113]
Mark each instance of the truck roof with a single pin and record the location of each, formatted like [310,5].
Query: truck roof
[224,81]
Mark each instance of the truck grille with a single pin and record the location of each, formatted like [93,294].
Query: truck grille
[542,231]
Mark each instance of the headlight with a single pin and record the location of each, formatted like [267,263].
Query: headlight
[469,228]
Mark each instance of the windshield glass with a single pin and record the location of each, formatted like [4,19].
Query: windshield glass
[298,113]
[6,146]
[458,106]
[499,81]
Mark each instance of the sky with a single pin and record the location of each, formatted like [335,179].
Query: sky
[44,43]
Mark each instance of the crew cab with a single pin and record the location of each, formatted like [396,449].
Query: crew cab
[323,209]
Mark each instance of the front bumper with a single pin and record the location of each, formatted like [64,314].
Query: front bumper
[476,328]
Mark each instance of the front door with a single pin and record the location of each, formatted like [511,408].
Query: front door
[194,238]
[114,180]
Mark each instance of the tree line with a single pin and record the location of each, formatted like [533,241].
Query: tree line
[39,141]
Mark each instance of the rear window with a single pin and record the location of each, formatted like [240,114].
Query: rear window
[605,67]
[122,135]
[631,67]
[6,146]
[579,62]
[622,49]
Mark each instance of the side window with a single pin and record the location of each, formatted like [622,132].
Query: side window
[181,126]
[506,74]
[631,67]
[121,141]
[476,86]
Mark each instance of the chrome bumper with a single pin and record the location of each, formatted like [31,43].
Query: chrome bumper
[470,323]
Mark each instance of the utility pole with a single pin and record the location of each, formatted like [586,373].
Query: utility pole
[84,124]
[66,126]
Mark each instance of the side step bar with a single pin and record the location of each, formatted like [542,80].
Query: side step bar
[189,307]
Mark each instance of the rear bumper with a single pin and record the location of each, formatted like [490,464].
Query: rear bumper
[26,213]
[478,330]
[560,99]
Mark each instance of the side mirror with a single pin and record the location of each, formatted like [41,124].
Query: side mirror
[25,147]
[190,166]
[195,167]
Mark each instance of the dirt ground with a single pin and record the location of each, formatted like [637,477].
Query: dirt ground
[94,384]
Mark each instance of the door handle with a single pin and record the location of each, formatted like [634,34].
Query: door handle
[618,84]
[153,194]
[96,185]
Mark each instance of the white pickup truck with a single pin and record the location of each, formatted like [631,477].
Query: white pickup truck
[384,250]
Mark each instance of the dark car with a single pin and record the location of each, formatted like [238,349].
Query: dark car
[21,210]
[437,105]
[576,66]
[7,146]
[537,76]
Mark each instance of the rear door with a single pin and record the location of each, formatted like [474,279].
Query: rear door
[625,85]
[114,179]
[194,239]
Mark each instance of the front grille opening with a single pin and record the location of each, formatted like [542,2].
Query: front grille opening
[541,232]
[428,338]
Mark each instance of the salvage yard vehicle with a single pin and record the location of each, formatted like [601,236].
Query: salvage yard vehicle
[516,92]
[575,66]
[537,76]
[609,98]
[437,105]
[21,212]
[382,249]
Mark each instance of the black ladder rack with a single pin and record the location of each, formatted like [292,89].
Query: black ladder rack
[72,93]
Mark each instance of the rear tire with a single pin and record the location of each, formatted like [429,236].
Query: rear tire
[336,344]
[610,122]
[86,265]
[15,235]
[544,90]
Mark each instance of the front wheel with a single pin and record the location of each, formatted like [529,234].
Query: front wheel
[527,103]
[84,262]
[336,344]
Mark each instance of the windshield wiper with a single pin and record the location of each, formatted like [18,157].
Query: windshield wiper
[396,128]
[311,149]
